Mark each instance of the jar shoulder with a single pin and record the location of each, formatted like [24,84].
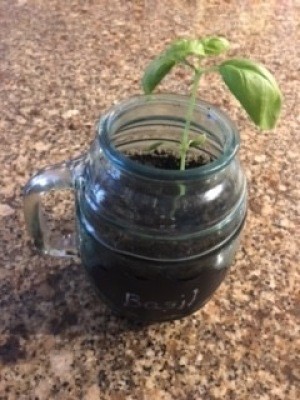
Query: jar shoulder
[158,204]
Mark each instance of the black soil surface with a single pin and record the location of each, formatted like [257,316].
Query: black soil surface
[169,161]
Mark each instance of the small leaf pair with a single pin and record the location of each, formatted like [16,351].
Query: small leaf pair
[177,53]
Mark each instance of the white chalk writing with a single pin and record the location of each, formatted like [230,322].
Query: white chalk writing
[134,300]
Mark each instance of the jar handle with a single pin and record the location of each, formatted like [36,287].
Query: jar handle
[60,176]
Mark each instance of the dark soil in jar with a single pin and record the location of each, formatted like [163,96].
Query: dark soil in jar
[138,277]
[167,208]
[169,161]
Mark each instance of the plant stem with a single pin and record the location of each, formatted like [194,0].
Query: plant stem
[188,64]
[184,145]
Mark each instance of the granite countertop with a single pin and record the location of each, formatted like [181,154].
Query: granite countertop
[63,63]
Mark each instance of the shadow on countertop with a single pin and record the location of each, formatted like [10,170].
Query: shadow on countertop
[57,300]
[60,313]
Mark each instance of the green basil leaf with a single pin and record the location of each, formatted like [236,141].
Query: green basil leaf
[197,142]
[155,145]
[174,54]
[182,48]
[214,45]
[155,72]
[255,88]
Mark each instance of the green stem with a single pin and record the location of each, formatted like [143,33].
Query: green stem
[188,64]
[184,145]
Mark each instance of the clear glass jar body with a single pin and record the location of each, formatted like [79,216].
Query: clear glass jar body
[156,243]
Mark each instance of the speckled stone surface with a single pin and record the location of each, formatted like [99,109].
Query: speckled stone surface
[63,63]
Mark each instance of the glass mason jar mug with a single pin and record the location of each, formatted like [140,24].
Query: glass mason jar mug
[156,243]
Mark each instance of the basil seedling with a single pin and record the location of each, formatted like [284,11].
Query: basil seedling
[250,82]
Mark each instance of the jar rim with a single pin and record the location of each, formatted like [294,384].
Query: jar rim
[230,147]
